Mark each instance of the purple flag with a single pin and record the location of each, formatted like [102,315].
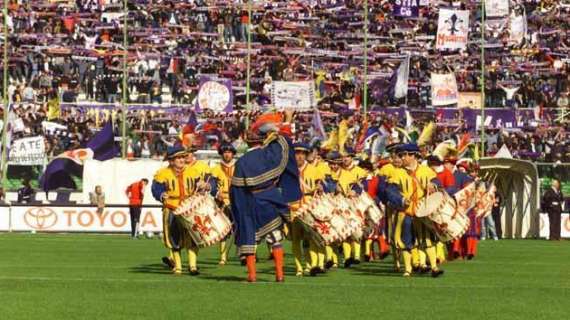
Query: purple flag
[406,8]
[59,171]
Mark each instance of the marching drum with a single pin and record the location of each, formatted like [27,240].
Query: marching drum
[372,213]
[465,198]
[354,218]
[484,201]
[324,221]
[203,220]
[439,213]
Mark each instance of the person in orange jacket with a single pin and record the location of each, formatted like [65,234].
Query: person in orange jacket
[135,193]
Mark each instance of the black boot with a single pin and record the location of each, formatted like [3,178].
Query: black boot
[436,273]
[168,262]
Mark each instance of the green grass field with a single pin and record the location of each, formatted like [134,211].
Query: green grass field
[113,277]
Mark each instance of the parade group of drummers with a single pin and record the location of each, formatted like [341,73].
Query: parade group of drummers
[334,209]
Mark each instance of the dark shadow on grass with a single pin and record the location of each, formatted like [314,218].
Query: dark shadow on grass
[223,278]
[157,268]
[383,270]
[150,268]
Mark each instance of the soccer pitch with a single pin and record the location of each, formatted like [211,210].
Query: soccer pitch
[112,277]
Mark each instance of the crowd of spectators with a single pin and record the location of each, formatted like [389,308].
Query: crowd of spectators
[77,48]
[73,51]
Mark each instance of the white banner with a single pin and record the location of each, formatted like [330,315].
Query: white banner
[82,219]
[452,29]
[443,89]
[518,29]
[4,218]
[544,226]
[215,94]
[115,175]
[53,127]
[28,151]
[496,8]
[298,95]
[472,100]
[403,73]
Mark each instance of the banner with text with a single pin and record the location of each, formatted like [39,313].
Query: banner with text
[406,8]
[82,219]
[298,95]
[28,152]
[452,29]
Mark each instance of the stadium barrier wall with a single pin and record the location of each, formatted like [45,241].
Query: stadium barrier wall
[544,225]
[115,219]
[5,217]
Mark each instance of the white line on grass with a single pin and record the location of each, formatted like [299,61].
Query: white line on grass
[405,283]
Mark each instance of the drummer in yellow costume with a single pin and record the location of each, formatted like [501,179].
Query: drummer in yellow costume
[199,172]
[171,185]
[389,166]
[311,179]
[222,174]
[339,180]
[351,248]
[199,169]
[315,160]
[415,183]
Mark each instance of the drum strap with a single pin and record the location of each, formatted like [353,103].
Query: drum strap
[414,198]
[182,191]
[228,170]
[304,186]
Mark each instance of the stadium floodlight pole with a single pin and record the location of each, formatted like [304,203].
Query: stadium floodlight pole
[365,71]
[125,75]
[248,80]
[6,102]
[482,137]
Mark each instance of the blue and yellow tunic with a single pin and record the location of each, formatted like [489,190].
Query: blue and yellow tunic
[343,181]
[358,172]
[413,184]
[178,186]
[386,171]
[199,169]
[223,173]
[310,177]
[321,165]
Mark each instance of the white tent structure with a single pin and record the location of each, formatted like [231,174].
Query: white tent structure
[115,175]
[519,188]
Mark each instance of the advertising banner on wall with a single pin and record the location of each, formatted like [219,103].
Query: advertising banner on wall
[82,219]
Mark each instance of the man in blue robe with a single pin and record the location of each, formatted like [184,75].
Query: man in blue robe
[265,182]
